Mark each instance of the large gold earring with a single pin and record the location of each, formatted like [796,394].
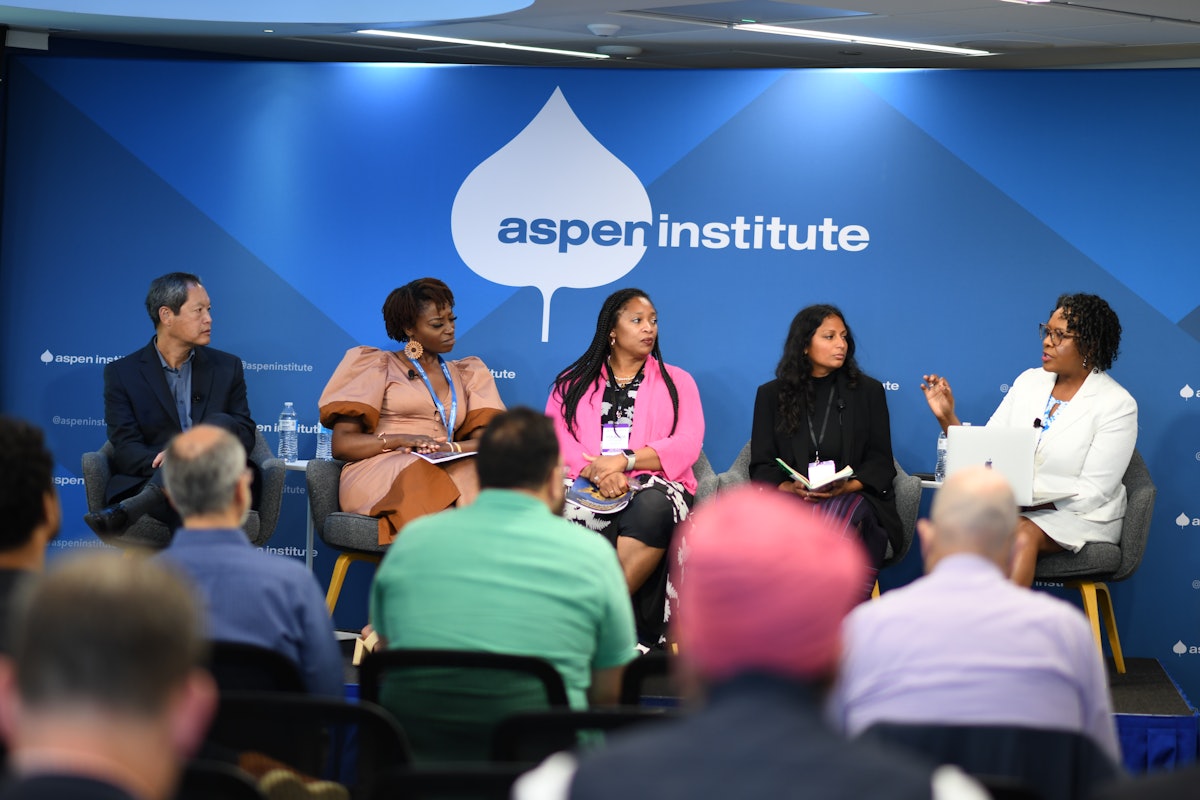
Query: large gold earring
[414,349]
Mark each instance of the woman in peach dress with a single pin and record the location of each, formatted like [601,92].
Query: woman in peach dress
[386,407]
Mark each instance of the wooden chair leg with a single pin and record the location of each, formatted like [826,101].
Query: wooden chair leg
[1097,603]
[340,567]
[1110,624]
[335,581]
[875,591]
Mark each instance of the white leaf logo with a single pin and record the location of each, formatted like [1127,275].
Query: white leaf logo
[1187,392]
[1180,648]
[47,357]
[1183,520]
[552,208]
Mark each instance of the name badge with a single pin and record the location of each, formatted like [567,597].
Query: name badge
[821,471]
[614,439]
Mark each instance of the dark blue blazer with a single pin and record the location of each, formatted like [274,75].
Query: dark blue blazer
[141,414]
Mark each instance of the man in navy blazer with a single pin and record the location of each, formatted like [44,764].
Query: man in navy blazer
[174,382]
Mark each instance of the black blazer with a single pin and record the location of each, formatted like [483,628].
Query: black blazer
[866,445]
[141,414]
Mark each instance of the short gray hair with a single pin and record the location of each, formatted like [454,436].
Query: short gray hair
[108,632]
[169,290]
[201,480]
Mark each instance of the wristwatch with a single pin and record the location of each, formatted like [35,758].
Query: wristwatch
[630,458]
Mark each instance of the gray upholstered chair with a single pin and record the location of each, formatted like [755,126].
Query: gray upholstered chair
[905,487]
[1101,562]
[148,533]
[354,536]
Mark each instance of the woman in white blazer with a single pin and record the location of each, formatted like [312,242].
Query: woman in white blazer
[1088,430]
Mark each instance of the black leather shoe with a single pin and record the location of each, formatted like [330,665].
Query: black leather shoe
[113,519]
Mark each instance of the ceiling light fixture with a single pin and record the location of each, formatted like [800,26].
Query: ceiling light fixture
[803,33]
[424,37]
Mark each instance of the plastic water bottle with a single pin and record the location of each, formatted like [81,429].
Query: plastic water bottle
[324,443]
[288,446]
[939,470]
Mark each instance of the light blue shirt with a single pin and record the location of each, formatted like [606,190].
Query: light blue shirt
[262,599]
[963,645]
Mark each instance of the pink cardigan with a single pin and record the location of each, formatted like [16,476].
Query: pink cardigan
[652,416]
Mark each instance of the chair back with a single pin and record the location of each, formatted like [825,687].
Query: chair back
[654,666]
[907,491]
[350,743]
[1064,765]
[216,780]
[241,667]
[448,782]
[706,478]
[531,736]
[449,701]
[1135,529]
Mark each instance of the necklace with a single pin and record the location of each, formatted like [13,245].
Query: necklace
[621,380]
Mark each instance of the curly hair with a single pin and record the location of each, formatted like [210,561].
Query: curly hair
[1095,326]
[575,381]
[26,476]
[795,368]
[403,306]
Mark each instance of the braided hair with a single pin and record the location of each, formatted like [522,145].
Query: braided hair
[403,306]
[577,379]
[795,368]
[1095,326]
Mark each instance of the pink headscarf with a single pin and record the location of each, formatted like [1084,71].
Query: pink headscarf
[766,587]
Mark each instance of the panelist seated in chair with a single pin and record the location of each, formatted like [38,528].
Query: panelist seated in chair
[506,574]
[386,407]
[174,382]
[1087,428]
[251,596]
[963,645]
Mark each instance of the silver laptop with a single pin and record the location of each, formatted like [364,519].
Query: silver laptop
[1009,451]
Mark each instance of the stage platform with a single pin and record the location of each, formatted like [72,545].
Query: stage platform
[1156,724]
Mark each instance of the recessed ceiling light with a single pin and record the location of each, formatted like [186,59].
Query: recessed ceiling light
[425,37]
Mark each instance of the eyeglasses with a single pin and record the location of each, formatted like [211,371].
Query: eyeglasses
[1056,337]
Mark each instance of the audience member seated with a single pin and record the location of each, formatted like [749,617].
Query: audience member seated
[1087,428]
[625,418]
[962,645]
[387,407]
[29,507]
[164,388]
[104,698]
[251,596]
[506,574]
[769,581]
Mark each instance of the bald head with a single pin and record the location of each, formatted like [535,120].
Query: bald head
[202,470]
[973,512]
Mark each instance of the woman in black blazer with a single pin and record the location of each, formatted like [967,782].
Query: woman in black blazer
[820,409]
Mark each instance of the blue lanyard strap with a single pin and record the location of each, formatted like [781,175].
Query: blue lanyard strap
[441,409]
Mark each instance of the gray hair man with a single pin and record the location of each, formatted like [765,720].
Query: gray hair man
[105,695]
[964,646]
[251,596]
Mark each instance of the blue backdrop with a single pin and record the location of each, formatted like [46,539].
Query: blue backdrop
[944,211]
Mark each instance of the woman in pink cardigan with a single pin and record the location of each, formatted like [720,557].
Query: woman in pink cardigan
[627,421]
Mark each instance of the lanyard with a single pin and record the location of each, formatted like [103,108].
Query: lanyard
[441,409]
[812,435]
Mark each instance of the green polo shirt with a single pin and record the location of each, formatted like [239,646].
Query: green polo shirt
[505,575]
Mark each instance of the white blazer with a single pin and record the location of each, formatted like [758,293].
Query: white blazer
[1085,452]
